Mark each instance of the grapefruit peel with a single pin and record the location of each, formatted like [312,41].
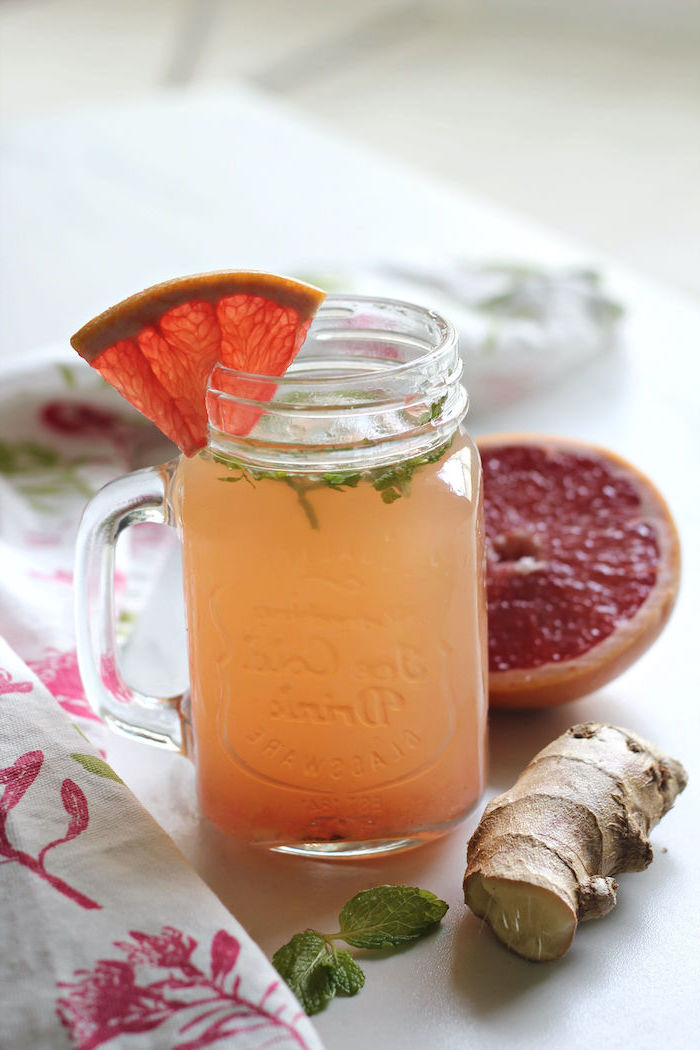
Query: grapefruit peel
[556,682]
[157,348]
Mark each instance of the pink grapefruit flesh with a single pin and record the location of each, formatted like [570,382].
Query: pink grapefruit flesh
[158,347]
[583,567]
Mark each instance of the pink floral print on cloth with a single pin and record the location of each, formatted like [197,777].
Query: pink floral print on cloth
[16,781]
[116,942]
[63,434]
[59,673]
[7,685]
[159,984]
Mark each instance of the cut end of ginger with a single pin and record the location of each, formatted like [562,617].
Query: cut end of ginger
[530,920]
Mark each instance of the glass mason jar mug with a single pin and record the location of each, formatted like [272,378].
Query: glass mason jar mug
[334,588]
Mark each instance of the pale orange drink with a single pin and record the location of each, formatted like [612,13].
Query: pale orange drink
[336,651]
[333,576]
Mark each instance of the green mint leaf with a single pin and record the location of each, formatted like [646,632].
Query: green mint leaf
[339,481]
[349,977]
[306,964]
[389,916]
[390,495]
[391,482]
[436,407]
[98,766]
[385,479]
[236,472]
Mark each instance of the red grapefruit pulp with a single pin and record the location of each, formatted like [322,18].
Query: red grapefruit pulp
[158,347]
[583,567]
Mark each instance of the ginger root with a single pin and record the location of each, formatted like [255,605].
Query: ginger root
[544,853]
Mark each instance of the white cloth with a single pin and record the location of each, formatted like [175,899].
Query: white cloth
[521,327]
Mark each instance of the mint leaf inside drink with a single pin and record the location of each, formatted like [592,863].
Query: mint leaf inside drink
[390,916]
[391,482]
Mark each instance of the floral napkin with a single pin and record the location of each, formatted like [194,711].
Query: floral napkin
[63,434]
[109,938]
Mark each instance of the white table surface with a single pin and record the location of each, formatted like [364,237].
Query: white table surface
[101,203]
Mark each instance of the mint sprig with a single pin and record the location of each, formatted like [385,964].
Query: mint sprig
[381,917]
[391,482]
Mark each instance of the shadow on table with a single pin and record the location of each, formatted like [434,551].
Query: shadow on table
[489,976]
[274,895]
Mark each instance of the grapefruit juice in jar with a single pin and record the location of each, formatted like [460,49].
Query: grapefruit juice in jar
[334,586]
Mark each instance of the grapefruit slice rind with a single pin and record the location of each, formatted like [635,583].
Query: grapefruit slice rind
[158,347]
[583,567]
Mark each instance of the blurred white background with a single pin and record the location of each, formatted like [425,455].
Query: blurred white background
[582,116]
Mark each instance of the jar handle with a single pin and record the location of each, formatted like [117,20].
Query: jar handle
[137,497]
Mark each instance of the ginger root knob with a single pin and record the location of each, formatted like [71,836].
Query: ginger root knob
[544,854]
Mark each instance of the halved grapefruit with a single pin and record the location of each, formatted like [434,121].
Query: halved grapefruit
[583,567]
[158,347]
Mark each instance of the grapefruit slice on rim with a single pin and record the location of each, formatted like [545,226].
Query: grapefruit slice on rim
[583,567]
[158,347]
